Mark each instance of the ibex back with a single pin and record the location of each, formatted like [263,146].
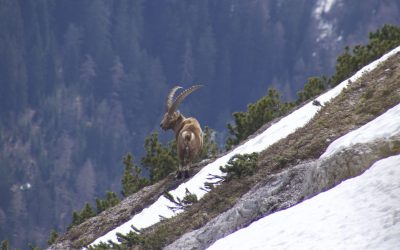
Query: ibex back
[188,133]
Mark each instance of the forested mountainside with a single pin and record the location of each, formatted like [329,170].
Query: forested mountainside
[83,82]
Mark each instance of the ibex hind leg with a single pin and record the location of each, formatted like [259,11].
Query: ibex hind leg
[187,168]
[188,163]
[179,172]
[183,164]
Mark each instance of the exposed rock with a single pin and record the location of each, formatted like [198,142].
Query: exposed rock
[288,188]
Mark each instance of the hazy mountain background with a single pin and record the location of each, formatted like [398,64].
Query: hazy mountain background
[83,82]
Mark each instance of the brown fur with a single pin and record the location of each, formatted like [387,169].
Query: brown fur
[189,141]
[188,134]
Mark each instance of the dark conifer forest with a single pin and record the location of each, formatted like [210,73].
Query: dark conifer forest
[83,82]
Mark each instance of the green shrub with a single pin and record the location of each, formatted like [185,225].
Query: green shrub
[240,165]
[33,247]
[130,239]
[181,204]
[53,237]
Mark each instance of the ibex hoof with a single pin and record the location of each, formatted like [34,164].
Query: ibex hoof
[178,175]
[186,174]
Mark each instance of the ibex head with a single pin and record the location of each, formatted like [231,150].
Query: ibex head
[171,114]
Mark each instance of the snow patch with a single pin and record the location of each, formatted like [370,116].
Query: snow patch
[360,213]
[325,27]
[385,126]
[323,6]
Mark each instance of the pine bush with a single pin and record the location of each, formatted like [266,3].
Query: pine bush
[240,165]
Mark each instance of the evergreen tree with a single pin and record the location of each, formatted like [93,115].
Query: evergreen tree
[314,87]
[40,50]
[264,110]
[118,73]
[127,32]
[33,247]
[131,179]
[4,245]
[86,213]
[98,44]
[72,53]
[159,160]
[88,70]
[210,147]
[13,75]
[380,42]
[110,201]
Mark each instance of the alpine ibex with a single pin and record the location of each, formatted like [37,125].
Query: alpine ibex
[188,133]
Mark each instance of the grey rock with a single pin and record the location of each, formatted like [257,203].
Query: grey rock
[288,188]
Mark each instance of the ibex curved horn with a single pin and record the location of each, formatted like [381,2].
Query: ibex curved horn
[182,96]
[170,98]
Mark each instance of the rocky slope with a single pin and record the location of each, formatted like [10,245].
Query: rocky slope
[283,182]
[287,188]
[287,173]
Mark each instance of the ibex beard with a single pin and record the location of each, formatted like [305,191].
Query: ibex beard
[188,133]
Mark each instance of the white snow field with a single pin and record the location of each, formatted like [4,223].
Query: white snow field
[274,133]
[359,213]
[384,126]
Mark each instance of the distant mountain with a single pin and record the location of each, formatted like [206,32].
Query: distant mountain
[83,82]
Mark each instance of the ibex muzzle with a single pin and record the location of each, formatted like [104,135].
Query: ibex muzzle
[188,133]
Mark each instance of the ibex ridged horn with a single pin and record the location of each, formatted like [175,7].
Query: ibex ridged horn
[182,96]
[170,98]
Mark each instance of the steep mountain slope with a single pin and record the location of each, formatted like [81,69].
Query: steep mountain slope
[81,83]
[346,157]
[368,95]
[363,100]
